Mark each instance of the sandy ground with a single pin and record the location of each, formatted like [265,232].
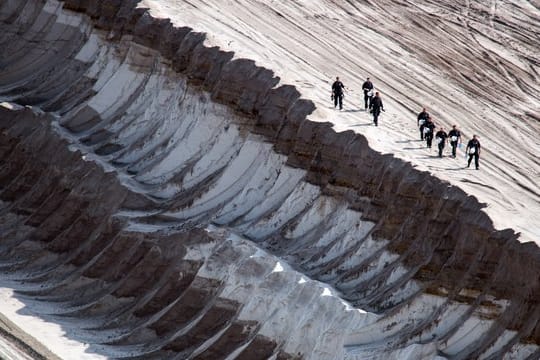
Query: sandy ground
[33,337]
[473,65]
[15,344]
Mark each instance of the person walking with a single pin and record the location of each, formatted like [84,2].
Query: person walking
[441,137]
[429,128]
[421,120]
[376,107]
[337,93]
[473,150]
[455,138]
[367,86]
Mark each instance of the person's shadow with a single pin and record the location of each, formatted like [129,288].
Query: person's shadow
[414,148]
[446,168]
[407,141]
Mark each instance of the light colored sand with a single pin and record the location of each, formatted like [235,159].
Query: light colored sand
[308,43]
[29,327]
[15,344]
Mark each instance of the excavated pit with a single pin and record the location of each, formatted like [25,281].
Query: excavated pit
[163,200]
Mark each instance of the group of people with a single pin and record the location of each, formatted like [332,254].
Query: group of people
[373,102]
[427,132]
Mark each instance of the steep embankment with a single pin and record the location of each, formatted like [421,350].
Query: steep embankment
[174,202]
[471,63]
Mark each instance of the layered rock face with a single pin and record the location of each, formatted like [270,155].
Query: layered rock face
[170,202]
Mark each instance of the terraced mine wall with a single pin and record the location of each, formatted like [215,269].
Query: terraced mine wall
[167,200]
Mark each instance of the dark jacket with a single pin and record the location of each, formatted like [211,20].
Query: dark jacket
[337,88]
[455,133]
[376,103]
[422,116]
[474,144]
[441,134]
[431,126]
[367,85]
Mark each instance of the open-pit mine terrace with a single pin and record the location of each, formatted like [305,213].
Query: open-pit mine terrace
[164,198]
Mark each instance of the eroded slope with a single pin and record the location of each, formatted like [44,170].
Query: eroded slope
[158,209]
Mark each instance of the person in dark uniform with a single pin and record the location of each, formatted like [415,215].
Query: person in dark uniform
[455,138]
[473,149]
[376,107]
[367,86]
[441,136]
[429,128]
[337,93]
[421,120]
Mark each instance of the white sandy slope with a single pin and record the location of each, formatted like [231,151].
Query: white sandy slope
[474,65]
[308,62]
[52,335]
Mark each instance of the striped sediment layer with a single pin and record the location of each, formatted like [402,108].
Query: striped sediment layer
[163,199]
